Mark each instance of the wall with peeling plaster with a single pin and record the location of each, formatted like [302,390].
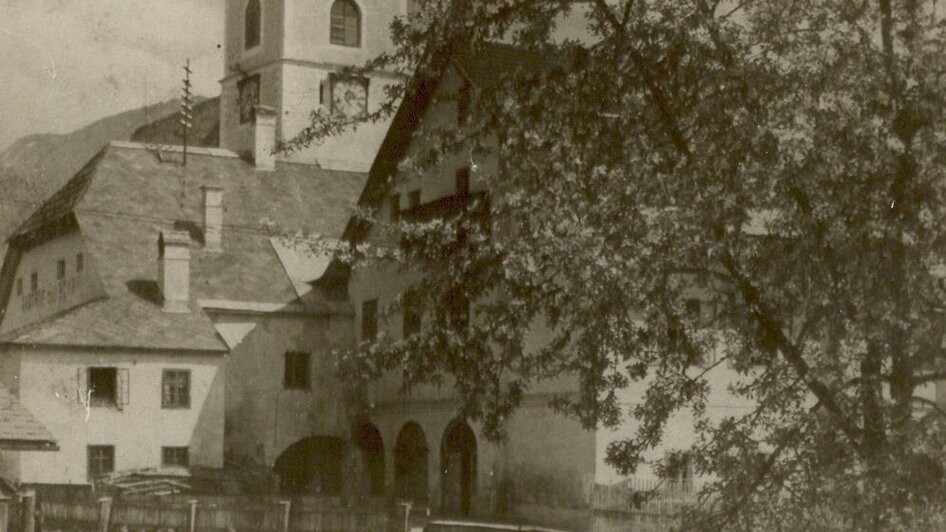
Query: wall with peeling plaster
[48,389]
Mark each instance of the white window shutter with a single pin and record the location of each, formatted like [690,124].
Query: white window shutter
[82,385]
[124,388]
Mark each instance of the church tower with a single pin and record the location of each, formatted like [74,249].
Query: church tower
[287,54]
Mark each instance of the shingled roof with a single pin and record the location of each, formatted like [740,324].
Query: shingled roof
[125,196]
[19,430]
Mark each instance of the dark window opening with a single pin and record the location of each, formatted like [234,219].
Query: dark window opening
[101,460]
[679,467]
[345,24]
[395,205]
[413,199]
[80,263]
[103,386]
[176,388]
[251,24]
[463,182]
[311,466]
[410,464]
[372,452]
[412,313]
[463,104]
[296,371]
[34,282]
[175,456]
[60,269]
[369,319]
[692,309]
[19,287]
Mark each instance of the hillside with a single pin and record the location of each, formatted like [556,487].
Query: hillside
[35,166]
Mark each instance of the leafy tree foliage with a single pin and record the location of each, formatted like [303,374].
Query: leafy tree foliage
[781,159]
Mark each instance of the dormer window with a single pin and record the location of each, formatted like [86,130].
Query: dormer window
[346,23]
[251,25]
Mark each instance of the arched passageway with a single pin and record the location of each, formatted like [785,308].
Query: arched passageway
[458,468]
[311,466]
[371,446]
[410,464]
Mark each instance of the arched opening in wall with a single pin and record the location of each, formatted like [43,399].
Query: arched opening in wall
[458,468]
[410,464]
[311,466]
[371,447]
[345,28]
[252,25]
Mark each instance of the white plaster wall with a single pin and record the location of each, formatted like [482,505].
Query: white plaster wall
[48,388]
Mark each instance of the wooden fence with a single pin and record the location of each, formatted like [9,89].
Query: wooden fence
[266,515]
[639,505]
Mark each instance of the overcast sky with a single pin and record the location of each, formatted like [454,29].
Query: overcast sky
[66,63]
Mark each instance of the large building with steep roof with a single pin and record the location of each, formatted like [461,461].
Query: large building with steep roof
[137,291]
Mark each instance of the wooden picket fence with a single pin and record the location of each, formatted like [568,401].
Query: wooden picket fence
[244,514]
[639,505]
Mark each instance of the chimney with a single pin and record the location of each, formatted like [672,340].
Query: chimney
[174,256]
[264,138]
[213,217]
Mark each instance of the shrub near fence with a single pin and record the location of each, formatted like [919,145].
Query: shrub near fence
[150,516]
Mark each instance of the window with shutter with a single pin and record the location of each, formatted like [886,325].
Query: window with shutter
[345,23]
[102,386]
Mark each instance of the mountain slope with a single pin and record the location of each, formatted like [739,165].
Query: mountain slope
[35,166]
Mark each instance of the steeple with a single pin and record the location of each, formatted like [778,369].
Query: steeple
[288,54]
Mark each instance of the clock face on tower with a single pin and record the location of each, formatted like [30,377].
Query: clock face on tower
[248,97]
[349,95]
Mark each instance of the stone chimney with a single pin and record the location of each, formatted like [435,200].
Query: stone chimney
[213,217]
[174,257]
[264,138]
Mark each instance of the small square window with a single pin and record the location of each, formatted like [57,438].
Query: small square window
[19,286]
[369,319]
[34,282]
[101,460]
[103,386]
[175,456]
[60,269]
[413,199]
[176,388]
[80,263]
[296,374]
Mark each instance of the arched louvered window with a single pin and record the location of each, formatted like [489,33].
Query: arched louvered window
[346,23]
[251,24]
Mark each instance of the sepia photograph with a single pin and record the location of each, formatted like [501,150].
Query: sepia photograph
[472,265]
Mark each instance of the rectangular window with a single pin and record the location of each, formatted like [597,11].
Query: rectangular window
[394,203]
[413,199]
[176,388]
[459,311]
[34,282]
[412,313]
[296,371]
[463,104]
[103,386]
[19,286]
[80,260]
[463,181]
[175,456]
[101,460]
[692,309]
[61,269]
[249,97]
[369,319]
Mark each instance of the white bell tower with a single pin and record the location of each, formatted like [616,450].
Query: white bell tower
[286,54]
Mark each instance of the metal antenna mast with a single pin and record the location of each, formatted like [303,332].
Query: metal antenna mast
[187,118]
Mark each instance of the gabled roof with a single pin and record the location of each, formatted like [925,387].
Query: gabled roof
[483,68]
[19,430]
[125,196]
